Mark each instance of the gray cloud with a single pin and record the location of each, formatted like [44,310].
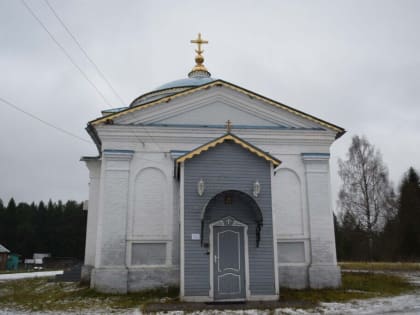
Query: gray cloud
[352,63]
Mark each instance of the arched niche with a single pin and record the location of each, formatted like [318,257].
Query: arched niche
[236,204]
[287,202]
[150,203]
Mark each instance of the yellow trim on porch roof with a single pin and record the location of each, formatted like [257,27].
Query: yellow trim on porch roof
[220,140]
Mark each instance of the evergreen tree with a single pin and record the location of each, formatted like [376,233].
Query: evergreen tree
[409,216]
[55,228]
[2,210]
[389,241]
[41,223]
[9,225]
[25,230]
[353,238]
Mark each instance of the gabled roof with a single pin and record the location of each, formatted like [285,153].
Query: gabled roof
[340,131]
[4,249]
[224,138]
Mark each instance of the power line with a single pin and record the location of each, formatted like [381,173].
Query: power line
[66,53]
[85,53]
[43,121]
[74,63]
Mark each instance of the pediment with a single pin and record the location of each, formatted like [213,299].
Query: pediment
[214,104]
[215,114]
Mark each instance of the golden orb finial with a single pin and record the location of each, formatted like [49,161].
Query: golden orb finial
[199,59]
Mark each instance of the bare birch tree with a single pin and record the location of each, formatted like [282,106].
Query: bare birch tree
[365,190]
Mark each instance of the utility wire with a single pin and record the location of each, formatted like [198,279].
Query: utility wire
[14,106]
[85,53]
[66,53]
[43,121]
[75,64]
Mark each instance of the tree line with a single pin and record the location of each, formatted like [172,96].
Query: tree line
[375,223]
[56,227]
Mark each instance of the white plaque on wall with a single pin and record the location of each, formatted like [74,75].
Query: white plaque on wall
[195,237]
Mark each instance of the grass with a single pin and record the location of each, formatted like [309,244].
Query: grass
[381,266]
[41,295]
[354,286]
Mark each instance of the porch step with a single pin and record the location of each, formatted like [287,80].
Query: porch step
[225,303]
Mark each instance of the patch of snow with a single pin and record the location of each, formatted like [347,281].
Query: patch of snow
[401,305]
[26,275]
[408,304]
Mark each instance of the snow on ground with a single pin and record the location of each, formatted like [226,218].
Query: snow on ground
[402,305]
[24,275]
[408,304]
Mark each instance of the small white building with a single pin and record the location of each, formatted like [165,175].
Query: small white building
[211,187]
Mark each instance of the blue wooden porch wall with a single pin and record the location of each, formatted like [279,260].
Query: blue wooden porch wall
[228,166]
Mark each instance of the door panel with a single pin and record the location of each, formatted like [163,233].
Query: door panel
[229,267]
[229,253]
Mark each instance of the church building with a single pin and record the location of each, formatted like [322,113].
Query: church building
[208,186]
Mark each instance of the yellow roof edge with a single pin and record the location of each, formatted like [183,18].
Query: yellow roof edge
[209,85]
[222,139]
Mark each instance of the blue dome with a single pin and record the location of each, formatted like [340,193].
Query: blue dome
[195,78]
[198,76]
[197,81]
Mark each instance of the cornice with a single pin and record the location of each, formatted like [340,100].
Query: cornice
[171,135]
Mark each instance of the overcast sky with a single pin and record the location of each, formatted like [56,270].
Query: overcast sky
[353,63]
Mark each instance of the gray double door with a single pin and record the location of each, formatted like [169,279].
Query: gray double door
[229,263]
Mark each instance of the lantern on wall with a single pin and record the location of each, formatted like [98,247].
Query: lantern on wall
[200,187]
[257,188]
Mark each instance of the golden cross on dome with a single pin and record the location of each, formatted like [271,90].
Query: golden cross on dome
[199,59]
[228,126]
[199,41]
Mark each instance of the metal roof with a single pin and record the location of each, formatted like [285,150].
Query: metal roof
[172,88]
[235,139]
[4,249]
[195,81]
[339,130]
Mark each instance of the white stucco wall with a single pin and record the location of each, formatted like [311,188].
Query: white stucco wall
[323,270]
[137,197]
[151,205]
[94,167]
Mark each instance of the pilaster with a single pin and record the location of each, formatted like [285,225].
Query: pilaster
[110,273]
[323,271]
[94,166]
